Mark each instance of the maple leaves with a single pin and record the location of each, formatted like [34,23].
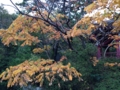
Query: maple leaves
[94,60]
[117,26]
[23,29]
[19,31]
[26,31]
[101,22]
[100,13]
[40,50]
[37,71]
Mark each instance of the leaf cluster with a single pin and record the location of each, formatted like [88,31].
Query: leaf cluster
[36,71]
[105,14]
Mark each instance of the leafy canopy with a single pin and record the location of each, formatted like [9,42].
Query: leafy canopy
[33,72]
[99,14]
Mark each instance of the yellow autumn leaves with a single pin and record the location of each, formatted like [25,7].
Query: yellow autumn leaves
[107,64]
[40,50]
[20,30]
[26,30]
[97,14]
[38,71]
[94,60]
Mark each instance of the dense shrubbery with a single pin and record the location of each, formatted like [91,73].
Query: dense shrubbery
[109,74]
[11,56]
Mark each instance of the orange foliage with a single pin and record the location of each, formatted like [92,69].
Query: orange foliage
[23,29]
[94,60]
[107,64]
[36,71]
[98,14]
[38,50]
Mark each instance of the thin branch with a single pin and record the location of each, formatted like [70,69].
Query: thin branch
[24,13]
[59,27]
[107,48]
[50,10]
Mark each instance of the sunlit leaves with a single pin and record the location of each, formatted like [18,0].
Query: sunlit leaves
[117,26]
[107,64]
[90,7]
[38,50]
[24,30]
[37,71]
[19,31]
[94,60]
[99,13]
